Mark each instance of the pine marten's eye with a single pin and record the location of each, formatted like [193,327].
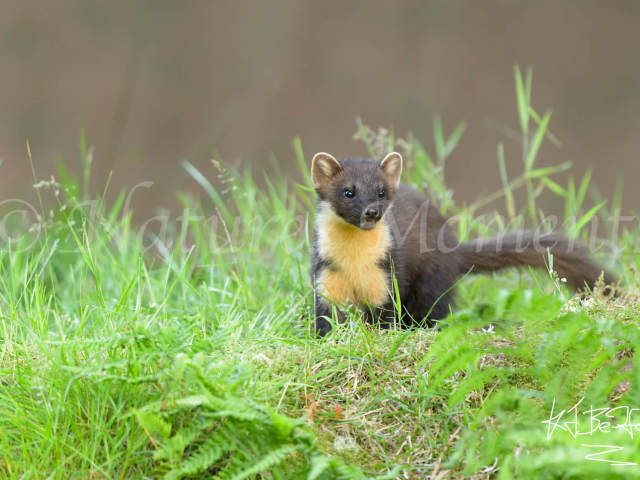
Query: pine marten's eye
[349,194]
[382,193]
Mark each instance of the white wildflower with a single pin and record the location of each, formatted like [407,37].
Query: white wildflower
[489,330]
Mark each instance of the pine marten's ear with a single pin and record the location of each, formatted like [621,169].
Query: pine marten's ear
[392,167]
[323,168]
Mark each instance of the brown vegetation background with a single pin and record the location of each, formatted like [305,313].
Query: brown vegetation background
[156,81]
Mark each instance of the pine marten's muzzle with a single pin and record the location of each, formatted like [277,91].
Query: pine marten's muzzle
[372,214]
[370,217]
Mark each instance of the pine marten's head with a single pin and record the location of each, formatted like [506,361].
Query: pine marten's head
[359,191]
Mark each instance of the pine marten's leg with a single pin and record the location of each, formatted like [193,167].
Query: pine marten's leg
[383,317]
[429,299]
[324,312]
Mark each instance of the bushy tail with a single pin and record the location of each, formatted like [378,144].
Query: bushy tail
[570,260]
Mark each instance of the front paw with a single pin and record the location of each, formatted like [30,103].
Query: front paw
[323,326]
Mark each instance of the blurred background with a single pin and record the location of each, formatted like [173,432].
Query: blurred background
[154,82]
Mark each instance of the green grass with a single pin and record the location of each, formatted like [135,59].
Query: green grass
[193,357]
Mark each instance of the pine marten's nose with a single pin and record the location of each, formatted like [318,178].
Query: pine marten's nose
[372,214]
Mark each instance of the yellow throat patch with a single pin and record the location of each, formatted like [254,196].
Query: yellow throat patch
[355,254]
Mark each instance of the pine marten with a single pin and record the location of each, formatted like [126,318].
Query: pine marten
[371,228]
